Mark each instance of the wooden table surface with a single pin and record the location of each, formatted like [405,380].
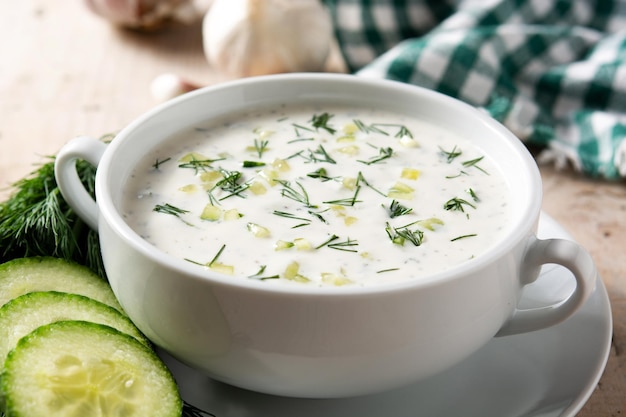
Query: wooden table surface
[65,72]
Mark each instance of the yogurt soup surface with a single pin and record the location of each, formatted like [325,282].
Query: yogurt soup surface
[318,195]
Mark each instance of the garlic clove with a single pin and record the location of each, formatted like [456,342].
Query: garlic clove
[243,38]
[167,86]
[144,14]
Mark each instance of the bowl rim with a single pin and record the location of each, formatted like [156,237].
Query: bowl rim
[526,221]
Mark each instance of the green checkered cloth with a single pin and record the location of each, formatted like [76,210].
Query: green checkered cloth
[552,71]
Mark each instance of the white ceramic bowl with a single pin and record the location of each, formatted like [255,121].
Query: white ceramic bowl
[320,342]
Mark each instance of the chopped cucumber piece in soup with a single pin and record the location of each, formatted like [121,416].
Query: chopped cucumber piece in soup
[78,369]
[27,312]
[24,275]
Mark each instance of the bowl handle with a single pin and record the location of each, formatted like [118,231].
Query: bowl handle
[555,251]
[70,185]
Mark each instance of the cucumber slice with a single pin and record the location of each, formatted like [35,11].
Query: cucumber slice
[79,369]
[25,313]
[41,273]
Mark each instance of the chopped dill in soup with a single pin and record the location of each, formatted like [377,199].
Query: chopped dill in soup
[318,195]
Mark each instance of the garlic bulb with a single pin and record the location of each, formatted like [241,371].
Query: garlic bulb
[143,14]
[243,38]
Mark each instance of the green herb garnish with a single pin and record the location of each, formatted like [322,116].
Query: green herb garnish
[231,183]
[404,131]
[172,211]
[396,209]
[321,122]
[368,129]
[300,140]
[457,204]
[457,175]
[473,163]
[360,178]
[451,155]
[298,127]
[260,146]
[317,155]
[293,217]
[320,155]
[252,164]
[260,272]
[318,216]
[375,127]
[346,245]
[463,237]
[398,235]
[217,255]
[350,201]
[199,164]
[193,411]
[383,153]
[472,194]
[387,270]
[320,174]
[290,192]
[157,164]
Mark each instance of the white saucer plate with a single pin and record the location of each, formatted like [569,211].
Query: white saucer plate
[546,373]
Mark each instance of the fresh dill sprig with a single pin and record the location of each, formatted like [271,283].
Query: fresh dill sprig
[231,183]
[472,194]
[387,270]
[345,245]
[457,175]
[288,215]
[319,155]
[404,131]
[260,146]
[376,128]
[396,209]
[383,153]
[199,164]
[361,179]
[290,192]
[474,163]
[456,204]
[157,164]
[368,129]
[451,155]
[260,272]
[193,411]
[217,255]
[167,208]
[35,220]
[350,201]
[300,140]
[298,127]
[398,235]
[318,215]
[463,237]
[321,174]
[321,122]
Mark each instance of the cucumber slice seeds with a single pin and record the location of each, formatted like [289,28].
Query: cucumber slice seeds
[25,313]
[23,275]
[68,349]
[79,369]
